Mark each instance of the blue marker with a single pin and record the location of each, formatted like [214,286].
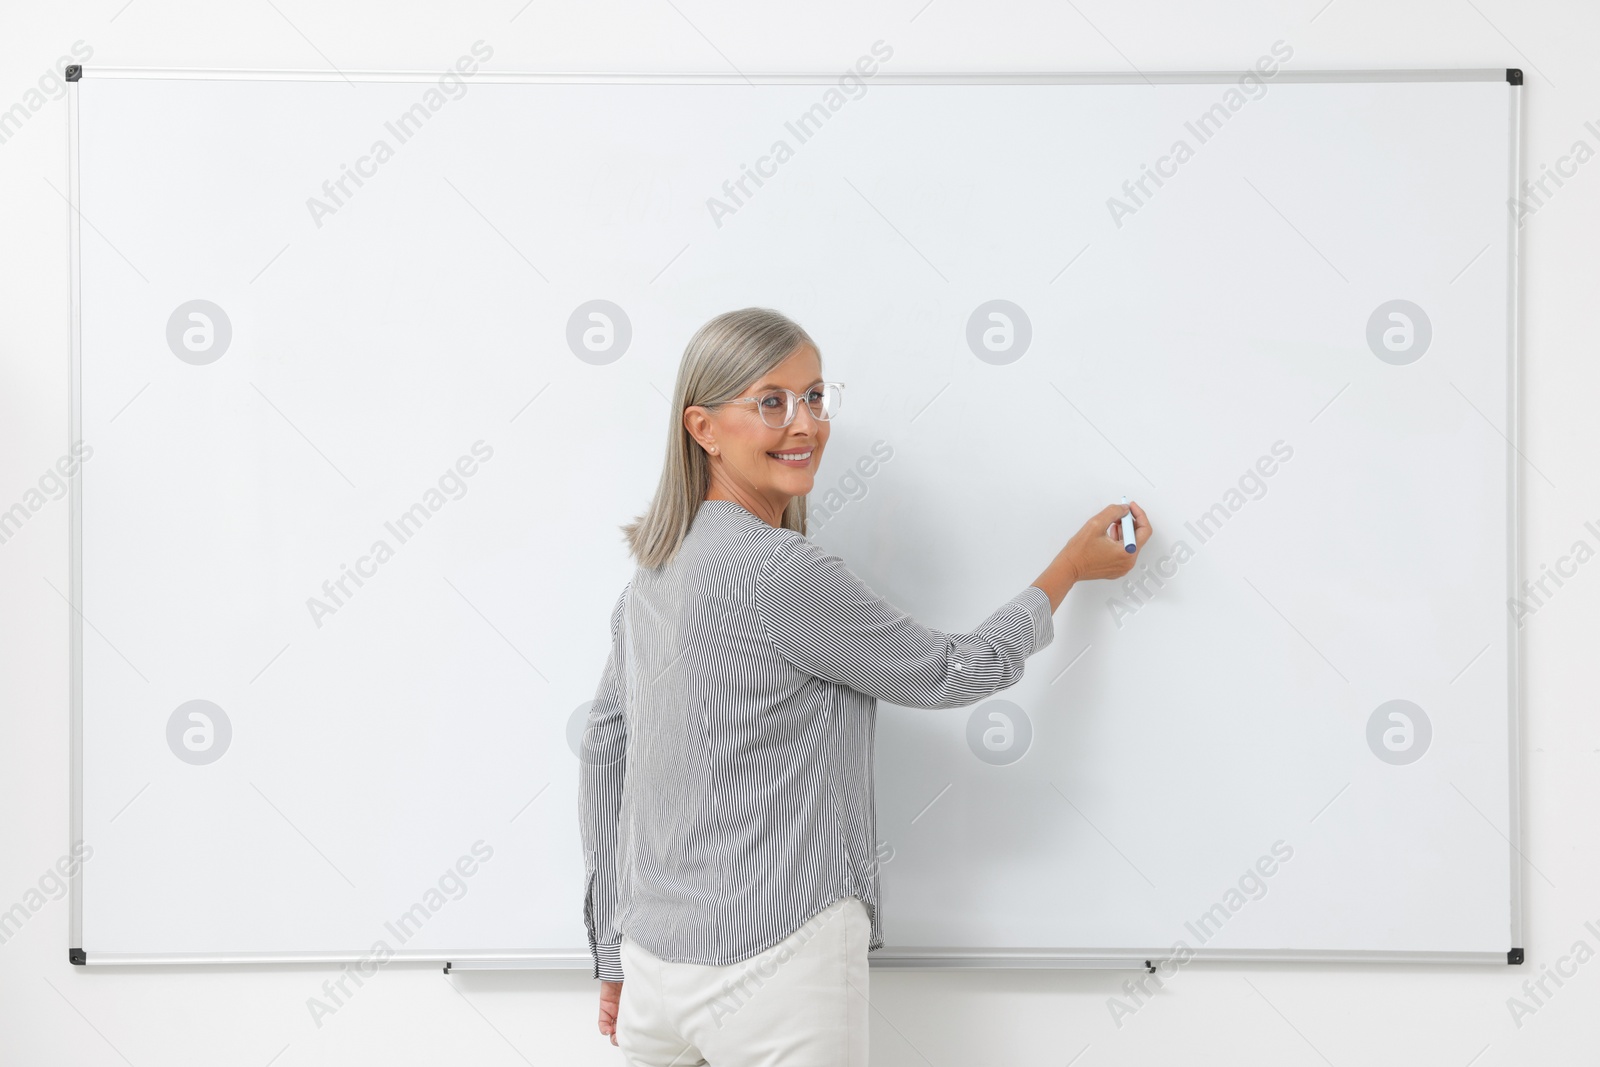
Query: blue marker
[1127,530]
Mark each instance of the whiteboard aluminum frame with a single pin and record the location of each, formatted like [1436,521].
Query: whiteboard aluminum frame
[75,527]
[926,958]
[1514,518]
[1190,77]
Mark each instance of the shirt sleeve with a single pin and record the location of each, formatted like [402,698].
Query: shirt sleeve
[826,621]
[602,768]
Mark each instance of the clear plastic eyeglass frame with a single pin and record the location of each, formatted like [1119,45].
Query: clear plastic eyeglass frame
[823,408]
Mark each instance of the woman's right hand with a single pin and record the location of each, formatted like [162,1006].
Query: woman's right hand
[1097,551]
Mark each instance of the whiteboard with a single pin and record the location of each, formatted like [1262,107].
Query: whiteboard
[345,532]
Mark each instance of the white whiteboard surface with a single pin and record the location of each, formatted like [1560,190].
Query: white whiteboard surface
[426,725]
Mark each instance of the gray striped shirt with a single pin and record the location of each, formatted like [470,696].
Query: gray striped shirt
[726,775]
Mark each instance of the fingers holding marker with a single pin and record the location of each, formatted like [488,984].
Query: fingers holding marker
[1141,524]
[1108,518]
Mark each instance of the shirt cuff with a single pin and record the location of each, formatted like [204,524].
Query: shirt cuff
[1037,601]
[608,962]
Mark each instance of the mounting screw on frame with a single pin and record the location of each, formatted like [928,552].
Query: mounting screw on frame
[1514,75]
[1514,957]
[73,72]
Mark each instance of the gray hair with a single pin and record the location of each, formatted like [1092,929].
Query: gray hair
[723,359]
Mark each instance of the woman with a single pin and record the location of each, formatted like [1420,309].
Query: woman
[726,781]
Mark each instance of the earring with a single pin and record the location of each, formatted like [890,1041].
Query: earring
[713,451]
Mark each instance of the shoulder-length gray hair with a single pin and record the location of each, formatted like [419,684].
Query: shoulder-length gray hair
[724,358]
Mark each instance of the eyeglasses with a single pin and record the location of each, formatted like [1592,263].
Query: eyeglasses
[778,406]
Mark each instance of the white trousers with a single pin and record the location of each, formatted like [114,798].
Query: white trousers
[801,1003]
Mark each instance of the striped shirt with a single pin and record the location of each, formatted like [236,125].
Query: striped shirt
[726,790]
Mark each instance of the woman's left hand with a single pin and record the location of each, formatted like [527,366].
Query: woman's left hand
[610,1000]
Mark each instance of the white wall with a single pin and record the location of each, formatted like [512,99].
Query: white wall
[53,1012]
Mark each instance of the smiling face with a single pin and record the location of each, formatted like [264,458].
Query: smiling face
[759,466]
